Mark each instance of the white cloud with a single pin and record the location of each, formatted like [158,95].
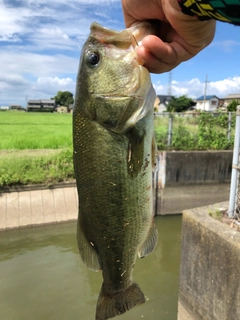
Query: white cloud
[225,86]
[41,42]
[37,65]
[54,33]
[226,45]
[10,38]
[194,88]
[38,20]
[43,87]
[49,85]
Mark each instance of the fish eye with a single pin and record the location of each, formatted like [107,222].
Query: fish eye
[93,58]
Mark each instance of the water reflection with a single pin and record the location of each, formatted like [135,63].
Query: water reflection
[42,276]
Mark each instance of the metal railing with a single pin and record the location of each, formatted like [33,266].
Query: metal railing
[234,198]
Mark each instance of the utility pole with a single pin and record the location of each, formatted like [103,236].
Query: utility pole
[26,101]
[205,92]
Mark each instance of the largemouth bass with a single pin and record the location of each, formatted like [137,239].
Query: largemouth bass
[114,155]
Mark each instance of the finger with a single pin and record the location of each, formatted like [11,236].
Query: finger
[152,63]
[168,52]
[159,56]
[158,60]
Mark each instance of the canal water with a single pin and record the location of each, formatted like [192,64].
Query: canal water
[43,278]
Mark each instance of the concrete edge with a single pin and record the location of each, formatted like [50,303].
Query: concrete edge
[209,260]
[201,215]
[29,187]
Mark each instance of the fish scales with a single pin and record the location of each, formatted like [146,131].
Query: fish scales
[113,162]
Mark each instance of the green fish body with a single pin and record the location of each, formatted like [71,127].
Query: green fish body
[114,156]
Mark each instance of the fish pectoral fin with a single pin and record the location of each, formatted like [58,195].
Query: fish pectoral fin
[150,242]
[135,152]
[154,155]
[87,251]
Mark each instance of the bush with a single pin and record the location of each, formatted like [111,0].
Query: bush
[35,170]
[205,132]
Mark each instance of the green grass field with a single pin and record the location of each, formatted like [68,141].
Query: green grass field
[23,130]
[37,147]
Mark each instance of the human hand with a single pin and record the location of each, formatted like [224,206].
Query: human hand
[177,37]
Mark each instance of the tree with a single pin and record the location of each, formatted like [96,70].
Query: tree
[64,98]
[180,104]
[232,106]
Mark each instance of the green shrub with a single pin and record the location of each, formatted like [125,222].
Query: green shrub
[183,139]
[34,170]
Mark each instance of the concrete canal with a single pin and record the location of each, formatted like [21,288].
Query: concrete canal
[43,278]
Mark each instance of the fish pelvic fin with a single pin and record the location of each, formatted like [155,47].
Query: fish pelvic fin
[110,306]
[150,242]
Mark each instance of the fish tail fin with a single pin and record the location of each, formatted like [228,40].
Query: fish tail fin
[110,306]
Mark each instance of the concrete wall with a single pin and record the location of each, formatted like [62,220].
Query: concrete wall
[184,180]
[210,267]
[184,167]
[190,179]
[37,207]
[176,198]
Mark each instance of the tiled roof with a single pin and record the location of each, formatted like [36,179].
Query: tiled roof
[207,98]
[233,96]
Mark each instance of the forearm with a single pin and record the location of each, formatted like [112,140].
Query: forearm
[218,10]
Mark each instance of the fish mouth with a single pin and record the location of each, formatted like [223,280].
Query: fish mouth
[122,39]
[125,39]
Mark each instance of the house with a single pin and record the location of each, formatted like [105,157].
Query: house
[161,102]
[15,107]
[4,107]
[70,107]
[48,105]
[45,105]
[228,99]
[207,103]
[33,105]
[62,109]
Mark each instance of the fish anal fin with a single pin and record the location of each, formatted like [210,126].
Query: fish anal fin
[109,306]
[150,242]
[87,251]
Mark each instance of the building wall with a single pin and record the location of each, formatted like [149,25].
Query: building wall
[228,101]
[210,105]
[62,109]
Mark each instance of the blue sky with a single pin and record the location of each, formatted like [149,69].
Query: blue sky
[40,44]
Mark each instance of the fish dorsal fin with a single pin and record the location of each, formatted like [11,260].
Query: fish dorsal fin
[150,242]
[88,253]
